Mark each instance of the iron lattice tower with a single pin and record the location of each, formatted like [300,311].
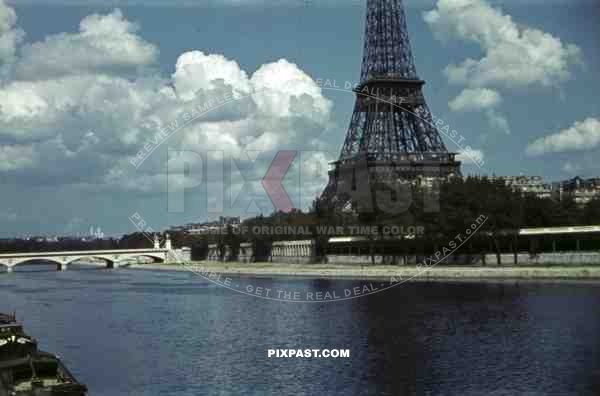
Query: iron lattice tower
[391,130]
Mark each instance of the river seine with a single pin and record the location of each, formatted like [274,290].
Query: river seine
[150,333]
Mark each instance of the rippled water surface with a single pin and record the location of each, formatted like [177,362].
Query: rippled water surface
[137,332]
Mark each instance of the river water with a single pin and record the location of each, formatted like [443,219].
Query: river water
[142,332]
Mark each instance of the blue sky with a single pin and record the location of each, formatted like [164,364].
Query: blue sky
[83,87]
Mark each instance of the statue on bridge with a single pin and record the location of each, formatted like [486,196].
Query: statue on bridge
[167,242]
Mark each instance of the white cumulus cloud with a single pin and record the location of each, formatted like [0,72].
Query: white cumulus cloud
[475,99]
[583,135]
[104,43]
[196,70]
[514,55]
[10,37]
[80,105]
[288,90]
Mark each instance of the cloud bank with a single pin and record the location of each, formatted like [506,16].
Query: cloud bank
[513,55]
[80,104]
[582,135]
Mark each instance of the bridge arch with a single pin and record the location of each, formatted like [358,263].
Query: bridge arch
[29,261]
[112,260]
[158,257]
[155,256]
[108,260]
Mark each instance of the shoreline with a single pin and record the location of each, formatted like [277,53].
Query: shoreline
[377,272]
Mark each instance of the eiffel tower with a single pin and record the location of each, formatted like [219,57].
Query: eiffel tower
[391,136]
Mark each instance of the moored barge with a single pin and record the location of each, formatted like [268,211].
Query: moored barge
[27,371]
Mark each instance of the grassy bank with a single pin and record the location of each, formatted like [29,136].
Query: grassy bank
[383,271]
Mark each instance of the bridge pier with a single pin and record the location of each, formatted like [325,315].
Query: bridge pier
[61,267]
[9,269]
[112,264]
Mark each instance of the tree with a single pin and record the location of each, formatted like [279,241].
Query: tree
[591,212]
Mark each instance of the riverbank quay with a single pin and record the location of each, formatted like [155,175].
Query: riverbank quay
[382,271]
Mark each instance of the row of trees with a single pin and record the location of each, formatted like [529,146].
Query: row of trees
[443,213]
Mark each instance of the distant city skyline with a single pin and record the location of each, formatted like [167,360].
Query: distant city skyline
[83,88]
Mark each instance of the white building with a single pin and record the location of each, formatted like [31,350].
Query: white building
[526,185]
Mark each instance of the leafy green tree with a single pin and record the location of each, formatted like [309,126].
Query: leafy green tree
[591,212]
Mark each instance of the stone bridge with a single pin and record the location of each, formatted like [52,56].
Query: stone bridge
[63,259]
